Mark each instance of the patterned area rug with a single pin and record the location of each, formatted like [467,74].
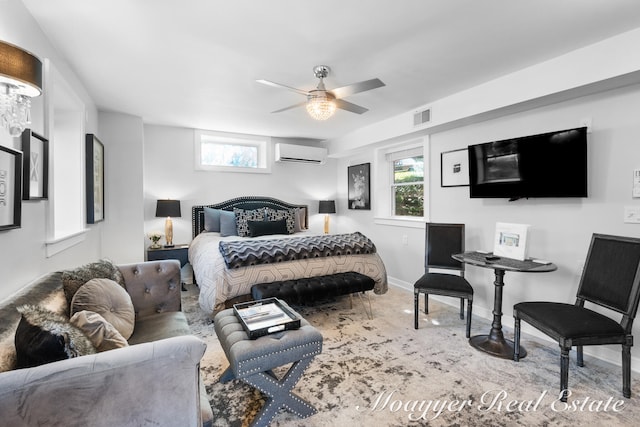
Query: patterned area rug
[383,372]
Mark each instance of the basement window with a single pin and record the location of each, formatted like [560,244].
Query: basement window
[226,152]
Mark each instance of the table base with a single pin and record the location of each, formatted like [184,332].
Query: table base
[499,348]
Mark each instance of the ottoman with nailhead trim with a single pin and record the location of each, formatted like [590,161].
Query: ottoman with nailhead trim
[253,361]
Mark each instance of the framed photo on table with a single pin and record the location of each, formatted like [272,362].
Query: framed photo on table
[511,240]
[35,169]
[359,179]
[10,188]
[454,168]
[94,179]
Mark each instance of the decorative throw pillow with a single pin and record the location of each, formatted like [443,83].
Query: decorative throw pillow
[242,216]
[298,216]
[108,299]
[227,224]
[288,215]
[72,280]
[43,337]
[211,219]
[102,334]
[265,228]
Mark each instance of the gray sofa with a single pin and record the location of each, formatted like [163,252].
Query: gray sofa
[154,381]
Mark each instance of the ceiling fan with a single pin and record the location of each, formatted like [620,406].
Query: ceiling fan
[322,103]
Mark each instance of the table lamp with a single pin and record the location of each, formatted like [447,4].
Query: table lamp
[168,208]
[327,207]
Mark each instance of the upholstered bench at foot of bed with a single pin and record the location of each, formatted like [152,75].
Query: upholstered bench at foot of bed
[253,361]
[312,289]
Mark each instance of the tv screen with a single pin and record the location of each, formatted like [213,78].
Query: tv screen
[551,164]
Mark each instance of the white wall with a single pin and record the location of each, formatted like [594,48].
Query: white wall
[22,251]
[123,229]
[169,173]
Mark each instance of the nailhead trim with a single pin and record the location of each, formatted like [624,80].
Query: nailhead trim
[313,352]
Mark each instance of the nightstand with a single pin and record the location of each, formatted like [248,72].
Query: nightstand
[179,252]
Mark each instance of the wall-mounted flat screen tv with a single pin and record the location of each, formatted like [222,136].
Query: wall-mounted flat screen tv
[551,164]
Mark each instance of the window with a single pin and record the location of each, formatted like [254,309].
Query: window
[403,174]
[407,186]
[227,152]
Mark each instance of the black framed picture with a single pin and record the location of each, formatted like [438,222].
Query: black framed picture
[94,179]
[35,168]
[10,188]
[359,193]
[454,168]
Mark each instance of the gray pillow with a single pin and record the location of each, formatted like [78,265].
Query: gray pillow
[227,224]
[211,219]
[105,297]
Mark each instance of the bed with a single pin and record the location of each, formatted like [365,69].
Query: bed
[223,277]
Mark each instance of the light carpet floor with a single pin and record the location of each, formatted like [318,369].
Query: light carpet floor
[383,372]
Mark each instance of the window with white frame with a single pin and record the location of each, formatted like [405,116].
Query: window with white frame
[406,168]
[226,152]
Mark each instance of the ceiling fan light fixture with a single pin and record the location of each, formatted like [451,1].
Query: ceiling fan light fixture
[321,106]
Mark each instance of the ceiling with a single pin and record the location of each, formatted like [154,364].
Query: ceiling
[194,63]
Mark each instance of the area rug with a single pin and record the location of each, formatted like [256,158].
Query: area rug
[383,372]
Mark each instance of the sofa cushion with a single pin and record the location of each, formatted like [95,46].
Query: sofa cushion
[72,280]
[43,336]
[160,326]
[102,334]
[110,300]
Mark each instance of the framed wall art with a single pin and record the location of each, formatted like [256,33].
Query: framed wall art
[359,194]
[454,168]
[35,168]
[94,179]
[10,188]
[511,240]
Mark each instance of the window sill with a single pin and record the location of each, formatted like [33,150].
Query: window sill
[417,222]
[63,243]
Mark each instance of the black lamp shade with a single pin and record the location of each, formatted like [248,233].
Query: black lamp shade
[327,207]
[166,208]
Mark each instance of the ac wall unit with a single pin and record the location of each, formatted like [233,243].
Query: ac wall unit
[300,153]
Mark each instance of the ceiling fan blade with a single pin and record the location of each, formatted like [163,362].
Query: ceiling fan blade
[278,85]
[363,86]
[348,106]
[300,104]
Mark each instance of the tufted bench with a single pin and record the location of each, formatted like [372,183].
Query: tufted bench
[312,289]
[252,361]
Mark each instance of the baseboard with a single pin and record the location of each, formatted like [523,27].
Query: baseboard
[607,354]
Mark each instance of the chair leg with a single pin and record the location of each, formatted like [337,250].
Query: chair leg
[564,372]
[516,339]
[415,309]
[579,356]
[469,304]
[426,303]
[461,308]
[626,371]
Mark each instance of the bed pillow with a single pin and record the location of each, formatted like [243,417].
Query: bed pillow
[227,224]
[102,334]
[265,228]
[211,219]
[287,214]
[242,216]
[72,280]
[43,337]
[108,299]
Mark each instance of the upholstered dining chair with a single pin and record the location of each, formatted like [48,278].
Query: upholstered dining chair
[442,241]
[610,279]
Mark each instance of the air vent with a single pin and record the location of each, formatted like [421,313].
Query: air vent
[422,117]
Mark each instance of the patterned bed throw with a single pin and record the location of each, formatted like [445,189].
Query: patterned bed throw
[242,253]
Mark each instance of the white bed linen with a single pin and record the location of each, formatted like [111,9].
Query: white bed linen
[218,283]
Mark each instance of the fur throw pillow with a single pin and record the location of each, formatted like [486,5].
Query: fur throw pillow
[43,336]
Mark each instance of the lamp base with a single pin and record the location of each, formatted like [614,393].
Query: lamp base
[326,224]
[169,246]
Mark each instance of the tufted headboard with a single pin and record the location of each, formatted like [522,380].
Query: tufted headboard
[247,203]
